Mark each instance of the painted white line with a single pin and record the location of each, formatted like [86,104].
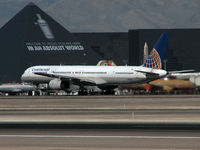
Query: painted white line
[120,108]
[82,136]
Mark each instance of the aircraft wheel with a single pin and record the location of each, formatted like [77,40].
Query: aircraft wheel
[82,92]
[109,92]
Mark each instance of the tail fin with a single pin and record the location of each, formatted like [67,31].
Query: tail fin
[106,63]
[155,58]
[146,49]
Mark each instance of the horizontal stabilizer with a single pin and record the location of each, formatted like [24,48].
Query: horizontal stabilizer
[152,73]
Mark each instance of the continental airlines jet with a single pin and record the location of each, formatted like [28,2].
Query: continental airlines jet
[105,77]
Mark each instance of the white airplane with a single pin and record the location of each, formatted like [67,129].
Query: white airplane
[16,89]
[104,77]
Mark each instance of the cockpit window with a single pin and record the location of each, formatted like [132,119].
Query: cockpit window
[27,71]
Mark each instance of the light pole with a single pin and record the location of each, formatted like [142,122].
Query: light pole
[165,64]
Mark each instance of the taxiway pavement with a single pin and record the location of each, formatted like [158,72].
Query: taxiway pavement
[149,108]
[76,139]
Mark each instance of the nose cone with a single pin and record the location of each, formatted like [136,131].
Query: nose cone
[24,77]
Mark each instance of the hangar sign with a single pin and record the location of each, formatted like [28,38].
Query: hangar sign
[54,46]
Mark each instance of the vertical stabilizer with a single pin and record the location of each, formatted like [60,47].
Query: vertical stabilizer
[155,58]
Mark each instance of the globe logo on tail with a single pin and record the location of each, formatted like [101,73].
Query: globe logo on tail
[153,60]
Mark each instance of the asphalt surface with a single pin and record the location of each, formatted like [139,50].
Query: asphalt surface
[178,108]
[76,139]
[105,102]
[129,115]
[126,109]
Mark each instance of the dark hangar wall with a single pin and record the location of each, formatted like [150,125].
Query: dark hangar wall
[183,51]
[112,46]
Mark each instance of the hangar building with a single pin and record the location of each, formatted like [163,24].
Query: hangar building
[32,37]
[183,51]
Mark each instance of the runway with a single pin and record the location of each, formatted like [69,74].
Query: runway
[98,111]
[103,102]
[167,108]
[129,115]
[77,139]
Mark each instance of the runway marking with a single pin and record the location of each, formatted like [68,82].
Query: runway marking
[82,136]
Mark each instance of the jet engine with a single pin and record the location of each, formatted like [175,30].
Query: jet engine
[57,84]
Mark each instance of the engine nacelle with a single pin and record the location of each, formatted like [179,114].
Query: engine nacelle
[57,84]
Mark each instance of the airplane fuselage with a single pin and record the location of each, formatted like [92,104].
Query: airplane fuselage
[99,75]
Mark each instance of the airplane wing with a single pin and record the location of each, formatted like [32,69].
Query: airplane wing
[150,75]
[76,81]
[181,71]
